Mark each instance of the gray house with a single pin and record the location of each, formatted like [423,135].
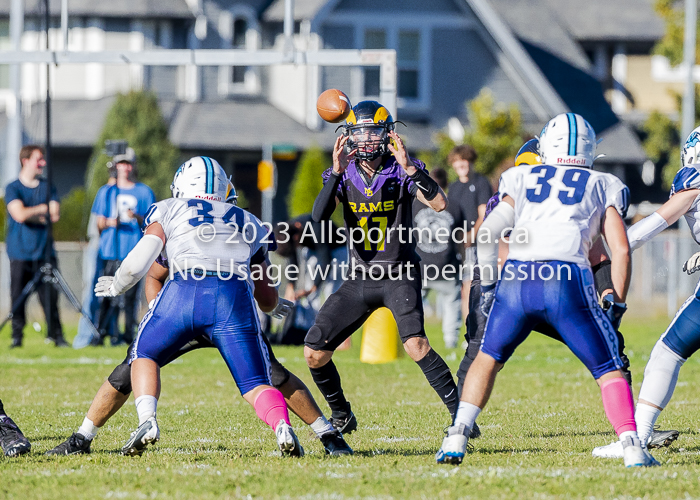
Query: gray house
[534,54]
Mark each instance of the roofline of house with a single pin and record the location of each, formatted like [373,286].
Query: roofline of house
[550,102]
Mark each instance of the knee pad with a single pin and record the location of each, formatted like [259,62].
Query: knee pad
[661,375]
[279,375]
[120,378]
[313,336]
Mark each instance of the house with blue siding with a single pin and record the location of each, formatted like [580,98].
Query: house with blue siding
[546,56]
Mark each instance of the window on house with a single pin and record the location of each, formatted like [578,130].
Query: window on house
[407,44]
[374,39]
[408,62]
[238,41]
[4,45]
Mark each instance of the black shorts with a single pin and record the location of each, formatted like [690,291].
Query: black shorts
[348,308]
[120,378]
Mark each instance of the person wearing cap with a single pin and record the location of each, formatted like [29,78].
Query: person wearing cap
[120,208]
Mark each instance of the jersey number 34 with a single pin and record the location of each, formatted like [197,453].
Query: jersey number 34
[574,181]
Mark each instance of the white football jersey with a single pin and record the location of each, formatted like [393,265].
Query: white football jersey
[209,235]
[559,210]
[687,178]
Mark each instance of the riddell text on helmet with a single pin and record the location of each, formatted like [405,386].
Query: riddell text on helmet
[570,160]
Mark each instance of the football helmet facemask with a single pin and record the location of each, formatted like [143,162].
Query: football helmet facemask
[231,194]
[568,140]
[200,177]
[367,128]
[690,152]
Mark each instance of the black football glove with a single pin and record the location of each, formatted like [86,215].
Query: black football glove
[614,310]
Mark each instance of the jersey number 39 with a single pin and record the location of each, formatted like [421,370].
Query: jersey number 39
[574,179]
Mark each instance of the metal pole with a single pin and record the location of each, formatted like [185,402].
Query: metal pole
[672,276]
[49,168]
[691,24]
[64,23]
[269,194]
[288,27]
[14,108]
[387,83]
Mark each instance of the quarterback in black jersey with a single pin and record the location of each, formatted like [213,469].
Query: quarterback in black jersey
[376,182]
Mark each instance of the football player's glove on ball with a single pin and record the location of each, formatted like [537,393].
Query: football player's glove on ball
[614,310]
[283,308]
[103,287]
[488,293]
[692,264]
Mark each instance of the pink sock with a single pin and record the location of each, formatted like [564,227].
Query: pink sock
[271,407]
[618,404]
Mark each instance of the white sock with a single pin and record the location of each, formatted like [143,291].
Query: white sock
[645,416]
[88,429]
[146,407]
[466,414]
[626,434]
[321,426]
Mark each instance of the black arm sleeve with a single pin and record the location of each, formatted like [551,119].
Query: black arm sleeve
[324,206]
[425,183]
[602,275]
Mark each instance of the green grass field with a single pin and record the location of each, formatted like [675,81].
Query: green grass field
[538,431]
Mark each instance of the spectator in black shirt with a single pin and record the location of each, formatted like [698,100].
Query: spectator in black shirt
[468,197]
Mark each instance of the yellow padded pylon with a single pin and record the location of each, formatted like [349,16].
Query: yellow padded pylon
[380,338]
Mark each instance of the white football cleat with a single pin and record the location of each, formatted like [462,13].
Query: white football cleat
[287,440]
[454,446]
[612,450]
[147,433]
[635,455]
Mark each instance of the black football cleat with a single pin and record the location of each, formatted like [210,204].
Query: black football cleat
[77,444]
[60,342]
[661,439]
[475,432]
[335,445]
[12,440]
[345,424]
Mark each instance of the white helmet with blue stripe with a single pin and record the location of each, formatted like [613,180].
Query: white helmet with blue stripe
[200,177]
[568,140]
[690,153]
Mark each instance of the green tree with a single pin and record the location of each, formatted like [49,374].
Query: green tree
[495,132]
[72,226]
[671,45]
[662,140]
[136,118]
[661,133]
[307,182]
[661,144]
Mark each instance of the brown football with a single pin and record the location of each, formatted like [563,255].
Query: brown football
[333,105]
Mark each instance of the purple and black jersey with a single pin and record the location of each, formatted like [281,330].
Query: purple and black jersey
[380,207]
